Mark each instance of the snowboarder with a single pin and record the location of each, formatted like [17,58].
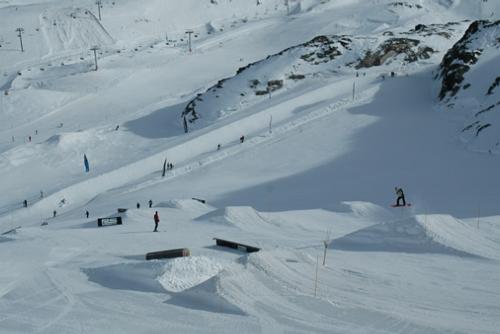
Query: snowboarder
[138,205]
[157,220]
[401,196]
[87,213]
[150,203]
[242,139]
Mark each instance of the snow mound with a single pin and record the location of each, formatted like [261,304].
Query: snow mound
[184,273]
[234,216]
[184,204]
[140,276]
[207,296]
[73,28]
[440,234]
[368,210]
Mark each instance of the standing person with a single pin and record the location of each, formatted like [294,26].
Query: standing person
[25,203]
[87,213]
[164,168]
[150,203]
[401,196]
[86,163]
[138,205]
[157,220]
[54,213]
[242,139]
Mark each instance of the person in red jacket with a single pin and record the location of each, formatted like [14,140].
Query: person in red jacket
[157,220]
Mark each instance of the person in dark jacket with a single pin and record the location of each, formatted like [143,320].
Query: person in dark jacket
[401,196]
[150,203]
[157,220]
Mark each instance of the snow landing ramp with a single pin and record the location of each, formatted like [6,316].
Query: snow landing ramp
[239,216]
[439,234]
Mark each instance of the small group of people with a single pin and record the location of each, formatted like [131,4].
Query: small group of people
[150,203]
[170,166]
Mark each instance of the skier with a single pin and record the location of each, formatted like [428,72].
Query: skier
[242,139]
[54,213]
[87,213]
[157,220]
[138,205]
[218,147]
[401,196]
[25,203]
[150,203]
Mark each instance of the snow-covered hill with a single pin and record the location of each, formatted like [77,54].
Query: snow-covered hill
[301,115]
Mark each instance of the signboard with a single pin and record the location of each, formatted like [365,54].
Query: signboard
[109,221]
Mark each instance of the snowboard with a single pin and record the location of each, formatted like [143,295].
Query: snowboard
[401,206]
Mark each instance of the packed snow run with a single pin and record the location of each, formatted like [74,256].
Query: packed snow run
[270,140]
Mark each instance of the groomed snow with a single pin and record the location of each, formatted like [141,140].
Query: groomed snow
[318,166]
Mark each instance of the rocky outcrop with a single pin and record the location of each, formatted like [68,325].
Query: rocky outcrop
[320,51]
[465,53]
[393,47]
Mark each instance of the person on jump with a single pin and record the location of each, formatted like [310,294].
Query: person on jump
[401,196]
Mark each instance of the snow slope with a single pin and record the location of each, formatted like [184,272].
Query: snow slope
[338,103]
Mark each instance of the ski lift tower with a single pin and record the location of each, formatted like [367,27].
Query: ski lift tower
[95,48]
[189,32]
[99,5]
[20,35]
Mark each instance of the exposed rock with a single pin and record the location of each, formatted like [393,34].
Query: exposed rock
[394,47]
[493,86]
[460,57]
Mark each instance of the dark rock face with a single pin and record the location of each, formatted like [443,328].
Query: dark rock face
[458,60]
[394,47]
[324,49]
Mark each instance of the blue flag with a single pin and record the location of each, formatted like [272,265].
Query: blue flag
[86,163]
